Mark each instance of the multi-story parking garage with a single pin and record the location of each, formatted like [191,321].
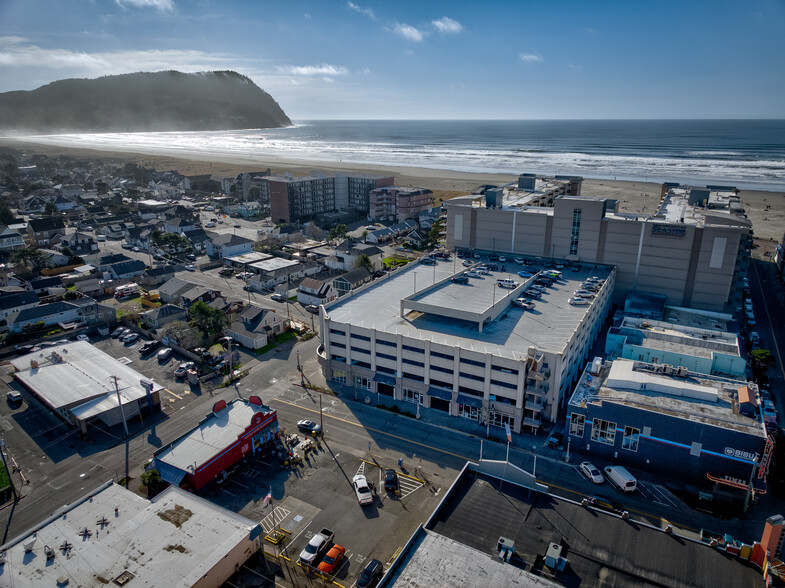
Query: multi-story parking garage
[464,349]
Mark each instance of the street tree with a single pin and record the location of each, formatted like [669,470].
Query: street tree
[206,319]
[50,209]
[31,257]
[364,261]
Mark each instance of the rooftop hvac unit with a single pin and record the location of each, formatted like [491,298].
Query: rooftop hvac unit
[30,543]
[681,372]
[667,369]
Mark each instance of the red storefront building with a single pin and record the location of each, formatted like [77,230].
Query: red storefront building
[232,431]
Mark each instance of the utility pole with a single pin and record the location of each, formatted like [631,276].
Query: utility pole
[321,415]
[120,403]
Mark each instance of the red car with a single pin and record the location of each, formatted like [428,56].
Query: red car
[332,559]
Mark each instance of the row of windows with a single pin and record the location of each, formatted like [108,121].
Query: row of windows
[387,343]
[504,370]
[472,377]
[360,337]
[337,332]
[442,355]
[412,362]
[473,362]
[360,350]
[410,348]
[504,384]
[385,356]
[604,432]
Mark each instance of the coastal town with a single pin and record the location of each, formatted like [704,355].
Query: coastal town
[279,378]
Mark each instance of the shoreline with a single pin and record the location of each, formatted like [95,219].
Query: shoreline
[765,208]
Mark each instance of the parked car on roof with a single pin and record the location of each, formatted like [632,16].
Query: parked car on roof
[579,301]
[165,353]
[130,338]
[390,480]
[371,574]
[362,490]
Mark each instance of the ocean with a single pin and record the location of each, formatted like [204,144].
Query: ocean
[741,153]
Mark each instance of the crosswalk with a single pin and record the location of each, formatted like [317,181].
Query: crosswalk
[272,520]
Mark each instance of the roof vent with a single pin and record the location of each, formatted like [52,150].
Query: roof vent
[30,543]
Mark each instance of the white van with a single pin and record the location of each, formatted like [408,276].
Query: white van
[621,478]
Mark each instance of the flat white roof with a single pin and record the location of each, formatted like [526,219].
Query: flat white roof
[251,257]
[548,327]
[173,540]
[274,263]
[79,375]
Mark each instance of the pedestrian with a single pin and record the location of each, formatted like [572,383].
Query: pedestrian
[369,445]
[400,462]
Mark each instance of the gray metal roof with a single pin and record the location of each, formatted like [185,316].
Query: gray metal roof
[81,379]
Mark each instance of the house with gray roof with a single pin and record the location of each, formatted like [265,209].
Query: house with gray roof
[163,315]
[155,276]
[171,291]
[351,280]
[126,269]
[227,245]
[256,327]
[41,230]
[14,303]
[46,314]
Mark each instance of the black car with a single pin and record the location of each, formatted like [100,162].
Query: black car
[554,441]
[492,267]
[148,347]
[370,574]
[390,480]
[493,257]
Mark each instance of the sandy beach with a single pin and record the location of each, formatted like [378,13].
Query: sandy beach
[766,209]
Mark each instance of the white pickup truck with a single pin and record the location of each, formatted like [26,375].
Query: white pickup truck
[317,545]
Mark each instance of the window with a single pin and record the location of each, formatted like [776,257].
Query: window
[362,364]
[505,370]
[472,377]
[441,384]
[338,345]
[360,337]
[499,419]
[603,431]
[630,439]
[338,358]
[385,356]
[387,343]
[442,355]
[504,384]
[470,391]
[385,370]
[576,231]
[473,362]
[337,332]
[436,368]
[412,362]
[339,376]
[409,395]
[414,377]
[410,348]
[359,350]
[362,382]
[469,412]
[577,422]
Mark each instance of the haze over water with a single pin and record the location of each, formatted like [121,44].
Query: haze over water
[741,153]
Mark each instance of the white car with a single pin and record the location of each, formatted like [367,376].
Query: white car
[466,263]
[520,260]
[579,302]
[83,338]
[588,470]
[502,259]
[362,490]
[189,267]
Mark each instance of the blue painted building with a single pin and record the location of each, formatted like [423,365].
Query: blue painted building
[700,350]
[684,425]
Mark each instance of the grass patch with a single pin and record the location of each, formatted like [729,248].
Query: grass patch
[282,338]
[393,262]
[4,479]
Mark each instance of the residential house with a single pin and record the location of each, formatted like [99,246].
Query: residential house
[345,256]
[171,291]
[416,238]
[198,239]
[227,245]
[56,259]
[41,230]
[63,204]
[404,228]
[202,294]
[94,287]
[106,261]
[44,284]
[14,303]
[46,314]
[94,313]
[114,231]
[163,315]
[79,243]
[247,209]
[156,276]
[256,327]
[351,280]
[126,269]
[313,291]
[10,239]
[179,225]
[71,190]
[379,236]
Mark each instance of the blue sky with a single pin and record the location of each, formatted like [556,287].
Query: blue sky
[426,59]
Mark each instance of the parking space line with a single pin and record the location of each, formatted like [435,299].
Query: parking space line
[278,515]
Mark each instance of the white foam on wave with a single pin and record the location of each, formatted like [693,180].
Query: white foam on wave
[703,166]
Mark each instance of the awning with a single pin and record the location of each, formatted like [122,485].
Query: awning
[468,400]
[439,393]
[169,473]
[382,379]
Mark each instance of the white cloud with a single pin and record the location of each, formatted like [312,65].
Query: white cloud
[324,69]
[529,57]
[81,64]
[307,16]
[366,11]
[9,40]
[447,25]
[408,32]
[162,5]
[367,70]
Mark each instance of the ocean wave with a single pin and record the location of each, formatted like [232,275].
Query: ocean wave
[592,159]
